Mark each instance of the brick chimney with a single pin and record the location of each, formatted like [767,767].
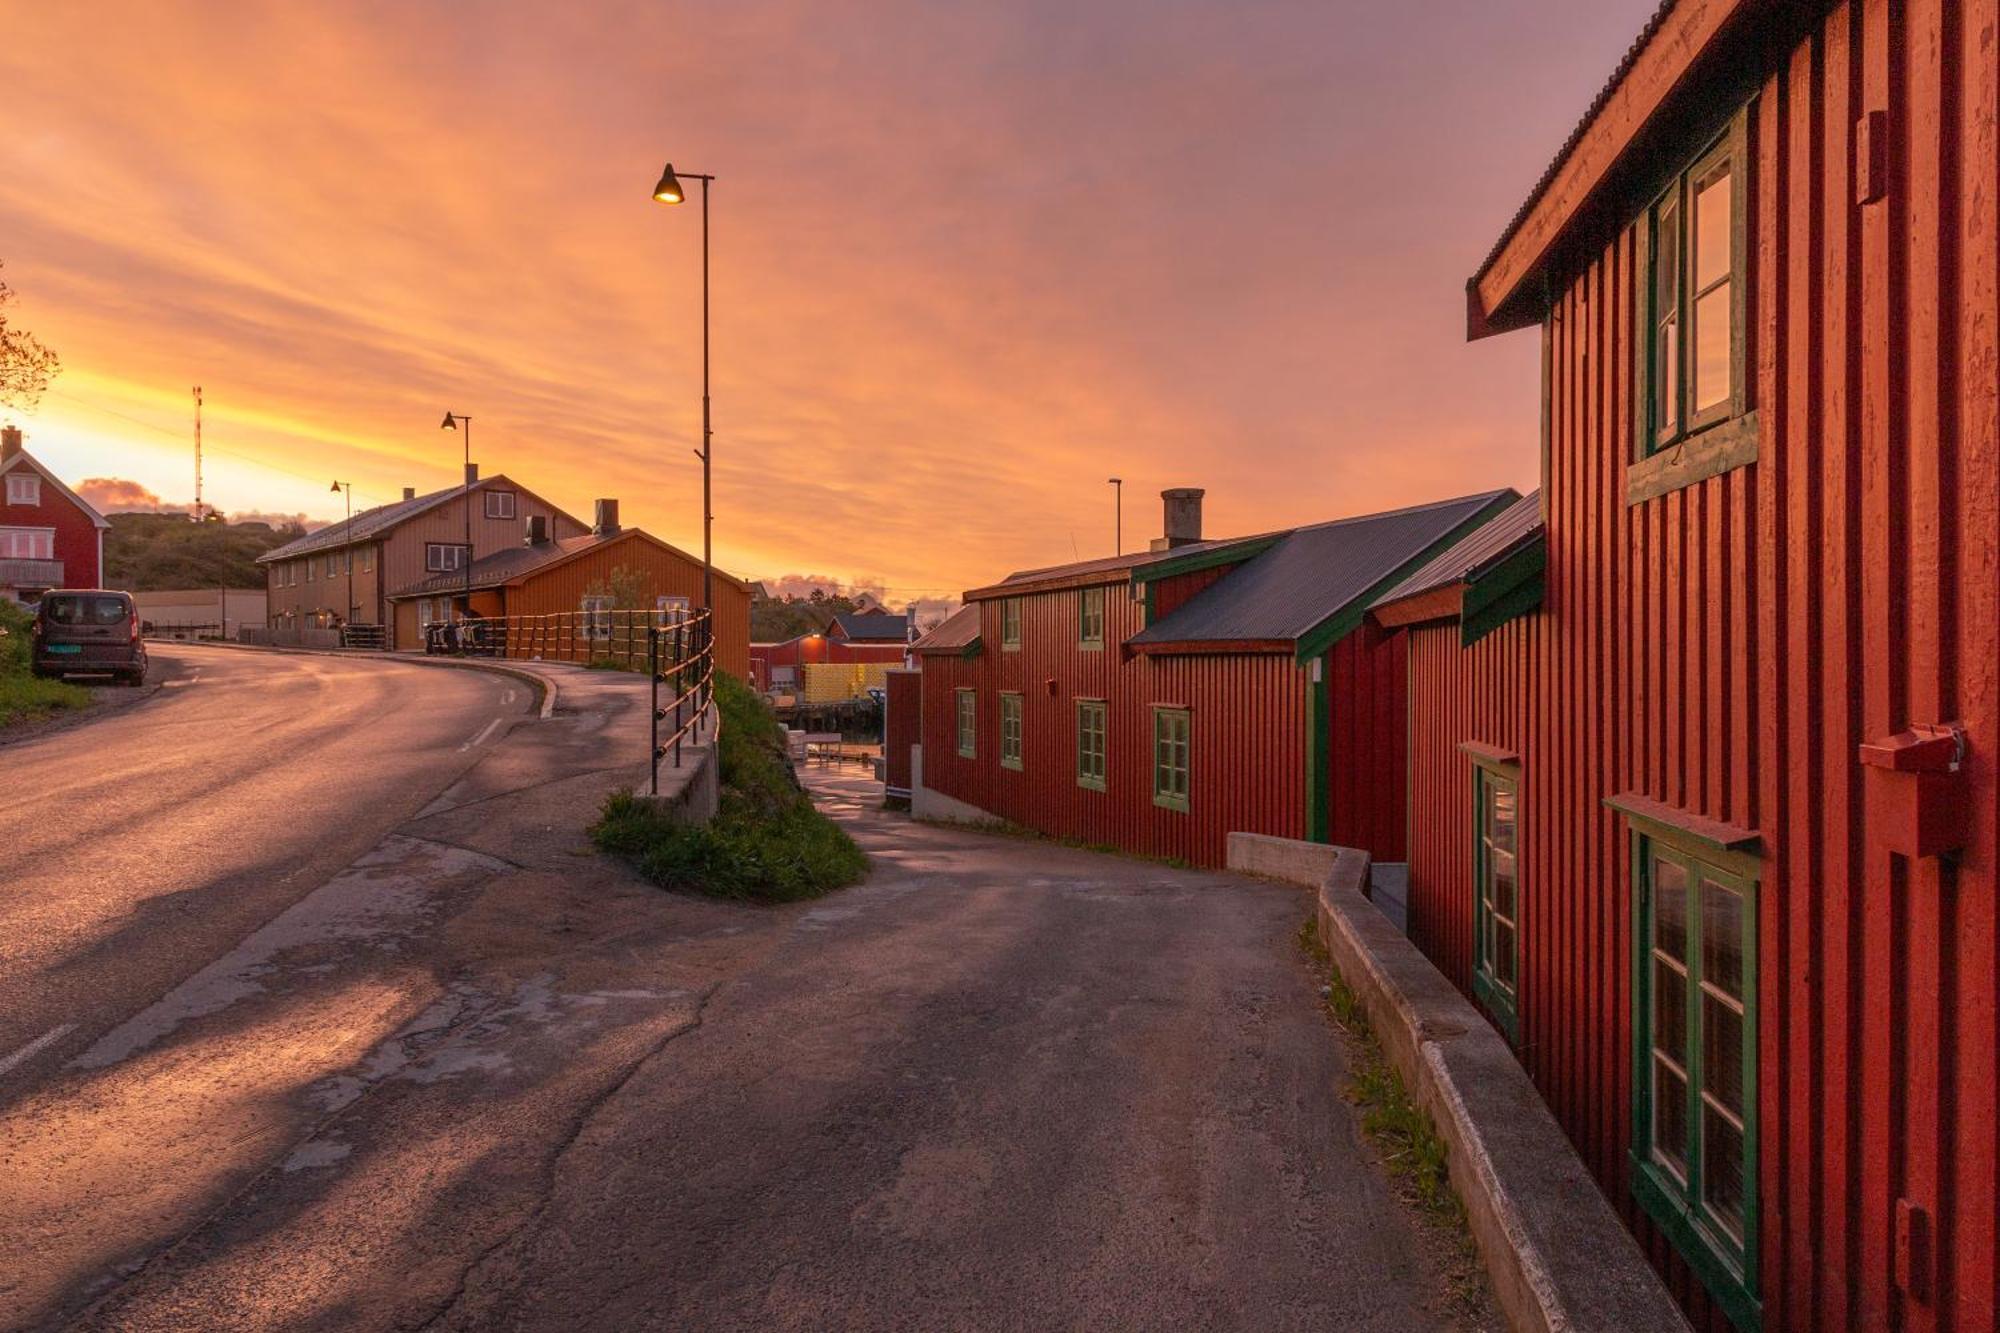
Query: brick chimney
[10,442]
[538,530]
[607,518]
[1183,505]
[472,474]
[409,492]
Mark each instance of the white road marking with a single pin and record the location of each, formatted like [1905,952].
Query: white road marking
[28,1052]
[507,698]
[488,730]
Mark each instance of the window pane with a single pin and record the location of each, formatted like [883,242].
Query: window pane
[1722,1170]
[1669,1011]
[1712,228]
[1669,908]
[1500,815]
[1666,261]
[1711,348]
[1722,938]
[1503,953]
[1667,378]
[1722,1052]
[1669,1116]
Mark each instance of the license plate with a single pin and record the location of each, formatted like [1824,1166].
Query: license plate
[65,647]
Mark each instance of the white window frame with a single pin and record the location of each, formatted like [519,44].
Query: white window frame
[45,549]
[24,488]
[505,509]
[597,618]
[444,557]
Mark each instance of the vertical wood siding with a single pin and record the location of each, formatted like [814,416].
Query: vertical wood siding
[1725,648]
[902,724]
[1247,747]
[662,573]
[1367,739]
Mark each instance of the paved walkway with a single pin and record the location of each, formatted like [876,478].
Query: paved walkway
[1000,1085]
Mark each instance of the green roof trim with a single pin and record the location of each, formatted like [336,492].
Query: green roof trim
[1319,638]
[1208,558]
[1512,587]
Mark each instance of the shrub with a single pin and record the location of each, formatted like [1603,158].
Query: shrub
[767,842]
[23,695]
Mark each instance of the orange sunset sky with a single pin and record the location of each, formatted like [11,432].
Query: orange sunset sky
[970,259]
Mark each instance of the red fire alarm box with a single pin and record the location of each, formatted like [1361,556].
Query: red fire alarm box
[1918,798]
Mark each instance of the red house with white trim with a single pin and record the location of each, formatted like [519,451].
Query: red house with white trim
[49,536]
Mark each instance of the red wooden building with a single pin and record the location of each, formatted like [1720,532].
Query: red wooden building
[1159,701]
[49,536]
[858,637]
[1712,830]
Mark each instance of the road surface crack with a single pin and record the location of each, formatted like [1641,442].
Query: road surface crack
[579,1123]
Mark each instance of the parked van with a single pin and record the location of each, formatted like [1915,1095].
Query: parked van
[88,630]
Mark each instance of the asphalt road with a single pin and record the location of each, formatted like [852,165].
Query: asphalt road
[424,1060]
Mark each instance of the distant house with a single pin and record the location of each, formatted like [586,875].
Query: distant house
[50,537]
[344,573]
[541,575]
[859,637]
[859,627]
[1161,700]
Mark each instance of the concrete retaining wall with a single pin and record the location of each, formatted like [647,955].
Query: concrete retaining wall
[1560,1259]
[928,804]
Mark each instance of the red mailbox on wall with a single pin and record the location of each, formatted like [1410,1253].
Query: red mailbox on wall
[1917,790]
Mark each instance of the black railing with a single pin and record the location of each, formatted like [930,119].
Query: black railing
[681,656]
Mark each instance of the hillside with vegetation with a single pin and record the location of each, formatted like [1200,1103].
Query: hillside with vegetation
[156,552]
[776,619]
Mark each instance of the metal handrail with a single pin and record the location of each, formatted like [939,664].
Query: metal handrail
[673,653]
[608,637]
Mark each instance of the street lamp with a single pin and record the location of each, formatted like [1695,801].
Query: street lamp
[1118,513]
[454,421]
[670,191]
[347,534]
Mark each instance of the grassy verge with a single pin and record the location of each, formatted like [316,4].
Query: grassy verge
[24,696]
[767,842]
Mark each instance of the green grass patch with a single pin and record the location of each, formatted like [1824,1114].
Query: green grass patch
[1400,1129]
[24,696]
[767,842]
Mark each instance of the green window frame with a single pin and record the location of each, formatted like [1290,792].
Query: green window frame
[1496,899]
[968,723]
[1090,617]
[1694,1053]
[1010,624]
[1092,735]
[1173,730]
[1010,729]
[1692,416]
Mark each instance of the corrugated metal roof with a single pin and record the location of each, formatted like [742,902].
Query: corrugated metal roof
[1548,175]
[1312,574]
[1498,537]
[1112,566]
[877,626]
[959,631]
[371,522]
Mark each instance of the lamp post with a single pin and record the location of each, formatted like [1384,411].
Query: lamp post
[347,532]
[670,191]
[1118,514]
[463,424]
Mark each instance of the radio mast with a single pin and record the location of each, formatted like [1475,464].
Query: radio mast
[197,453]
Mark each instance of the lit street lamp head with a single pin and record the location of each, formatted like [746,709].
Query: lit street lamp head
[669,190]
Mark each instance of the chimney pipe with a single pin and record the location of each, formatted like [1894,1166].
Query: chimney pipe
[10,442]
[409,492]
[607,518]
[538,530]
[1183,505]
[472,474]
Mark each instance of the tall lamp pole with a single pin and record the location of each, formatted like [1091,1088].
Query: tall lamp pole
[670,191]
[1118,514]
[463,424]
[348,532]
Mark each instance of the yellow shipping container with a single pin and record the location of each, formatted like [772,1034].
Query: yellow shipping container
[836,682]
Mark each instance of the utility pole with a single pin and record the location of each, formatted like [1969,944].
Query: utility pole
[197,453]
[1118,514]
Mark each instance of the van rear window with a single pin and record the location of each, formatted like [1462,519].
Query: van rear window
[84,610]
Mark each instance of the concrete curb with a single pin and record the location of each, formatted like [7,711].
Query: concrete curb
[545,686]
[1560,1259]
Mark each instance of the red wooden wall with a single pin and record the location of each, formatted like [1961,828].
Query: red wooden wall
[1367,740]
[1247,770]
[902,725]
[1727,647]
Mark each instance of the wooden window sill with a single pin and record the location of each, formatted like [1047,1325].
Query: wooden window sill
[1730,847]
[1710,453]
